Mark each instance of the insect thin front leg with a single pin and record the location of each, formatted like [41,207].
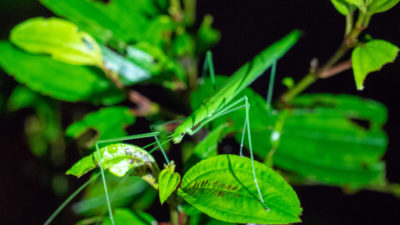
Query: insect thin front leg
[132,137]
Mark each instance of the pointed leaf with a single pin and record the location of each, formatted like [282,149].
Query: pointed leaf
[109,123]
[59,38]
[378,6]
[223,187]
[371,57]
[343,6]
[168,180]
[56,79]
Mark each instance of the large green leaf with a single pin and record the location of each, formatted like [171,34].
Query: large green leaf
[371,57]
[378,6]
[56,79]
[119,159]
[127,217]
[243,77]
[122,20]
[109,123]
[223,187]
[59,38]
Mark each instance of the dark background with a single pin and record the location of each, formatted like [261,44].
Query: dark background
[247,27]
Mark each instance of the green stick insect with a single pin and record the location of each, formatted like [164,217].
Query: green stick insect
[219,104]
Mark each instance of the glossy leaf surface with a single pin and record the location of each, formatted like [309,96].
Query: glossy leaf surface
[243,77]
[223,187]
[127,217]
[168,181]
[56,79]
[119,159]
[59,38]
[122,20]
[371,57]
[109,123]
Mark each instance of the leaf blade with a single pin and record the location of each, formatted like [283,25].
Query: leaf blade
[219,184]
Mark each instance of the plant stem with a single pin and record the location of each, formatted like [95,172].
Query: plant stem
[303,84]
[174,214]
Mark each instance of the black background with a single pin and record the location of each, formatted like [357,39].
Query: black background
[247,27]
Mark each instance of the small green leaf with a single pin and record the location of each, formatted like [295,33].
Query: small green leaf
[288,82]
[378,6]
[109,123]
[119,159]
[371,57]
[59,38]
[156,28]
[56,79]
[168,180]
[359,3]
[207,36]
[223,187]
[343,6]
[127,217]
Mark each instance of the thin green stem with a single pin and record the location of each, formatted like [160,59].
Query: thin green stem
[174,214]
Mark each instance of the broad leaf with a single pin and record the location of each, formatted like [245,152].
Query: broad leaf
[59,38]
[378,6]
[109,123]
[122,20]
[168,181]
[56,79]
[343,6]
[371,57]
[127,217]
[218,185]
[243,77]
[119,159]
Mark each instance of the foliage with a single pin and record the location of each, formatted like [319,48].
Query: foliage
[97,55]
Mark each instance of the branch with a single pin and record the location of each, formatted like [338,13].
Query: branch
[343,66]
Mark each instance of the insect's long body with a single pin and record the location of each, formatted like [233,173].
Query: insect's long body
[238,81]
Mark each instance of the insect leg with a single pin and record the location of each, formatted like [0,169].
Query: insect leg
[271,85]
[209,65]
[132,137]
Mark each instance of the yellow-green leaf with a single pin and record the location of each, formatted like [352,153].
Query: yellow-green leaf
[168,180]
[59,38]
[371,57]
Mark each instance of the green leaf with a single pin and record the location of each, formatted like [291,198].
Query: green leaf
[127,217]
[128,72]
[119,159]
[109,123]
[243,77]
[122,20]
[156,29]
[59,38]
[335,149]
[223,187]
[371,57]
[207,36]
[168,180]
[56,79]
[378,6]
[343,6]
